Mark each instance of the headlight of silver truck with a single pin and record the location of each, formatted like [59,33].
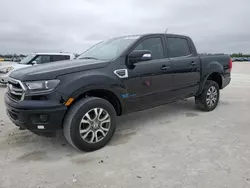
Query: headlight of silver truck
[6,69]
[36,87]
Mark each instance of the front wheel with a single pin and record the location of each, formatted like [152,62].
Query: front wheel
[209,98]
[90,124]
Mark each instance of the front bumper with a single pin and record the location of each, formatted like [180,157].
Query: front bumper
[4,79]
[44,118]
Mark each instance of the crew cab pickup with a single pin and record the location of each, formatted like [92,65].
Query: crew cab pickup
[115,77]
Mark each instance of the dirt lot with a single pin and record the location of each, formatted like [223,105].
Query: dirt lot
[170,146]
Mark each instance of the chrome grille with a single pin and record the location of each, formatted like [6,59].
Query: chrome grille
[15,89]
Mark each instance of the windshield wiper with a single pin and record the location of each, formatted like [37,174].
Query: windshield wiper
[88,58]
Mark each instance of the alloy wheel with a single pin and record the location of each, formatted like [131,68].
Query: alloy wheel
[212,96]
[95,125]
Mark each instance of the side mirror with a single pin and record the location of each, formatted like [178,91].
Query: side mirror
[33,63]
[139,55]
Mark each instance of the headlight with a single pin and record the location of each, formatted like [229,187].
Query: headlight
[41,86]
[6,69]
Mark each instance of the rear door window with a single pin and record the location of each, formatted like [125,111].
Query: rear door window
[60,57]
[66,57]
[177,47]
[42,59]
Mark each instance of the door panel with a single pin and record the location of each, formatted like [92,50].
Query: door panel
[185,71]
[185,67]
[186,75]
[148,82]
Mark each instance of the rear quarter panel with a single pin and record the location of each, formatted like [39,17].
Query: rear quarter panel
[214,64]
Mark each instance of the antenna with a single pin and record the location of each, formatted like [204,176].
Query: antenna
[166,30]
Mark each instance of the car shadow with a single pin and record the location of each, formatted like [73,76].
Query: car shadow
[2,86]
[129,124]
[37,148]
[156,114]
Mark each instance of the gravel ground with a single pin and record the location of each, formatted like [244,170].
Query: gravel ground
[170,146]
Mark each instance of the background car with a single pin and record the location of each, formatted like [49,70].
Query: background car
[30,60]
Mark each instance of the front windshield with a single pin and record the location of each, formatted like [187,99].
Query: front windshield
[27,59]
[108,49]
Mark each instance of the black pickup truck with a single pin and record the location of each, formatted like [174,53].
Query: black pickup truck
[115,77]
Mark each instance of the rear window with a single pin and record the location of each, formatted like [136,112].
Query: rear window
[60,57]
[177,47]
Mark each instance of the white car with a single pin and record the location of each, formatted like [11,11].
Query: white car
[32,59]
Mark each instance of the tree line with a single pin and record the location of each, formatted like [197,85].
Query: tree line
[11,55]
[240,55]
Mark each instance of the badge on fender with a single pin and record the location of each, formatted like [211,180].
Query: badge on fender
[121,73]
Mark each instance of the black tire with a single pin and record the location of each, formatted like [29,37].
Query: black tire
[72,122]
[201,100]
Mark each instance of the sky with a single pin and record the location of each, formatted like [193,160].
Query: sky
[216,26]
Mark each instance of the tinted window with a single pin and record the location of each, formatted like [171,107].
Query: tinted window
[177,47]
[42,59]
[60,57]
[66,57]
[154,45]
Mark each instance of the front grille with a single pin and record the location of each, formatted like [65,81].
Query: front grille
[15,90]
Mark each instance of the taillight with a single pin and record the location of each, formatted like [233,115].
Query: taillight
[230,65]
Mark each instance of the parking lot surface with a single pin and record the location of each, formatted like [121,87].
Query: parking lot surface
[170,146]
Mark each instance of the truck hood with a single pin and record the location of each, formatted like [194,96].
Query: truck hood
[14,65]
[7,63]
[54,69]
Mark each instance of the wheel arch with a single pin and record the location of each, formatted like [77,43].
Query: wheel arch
[217,77]
[214,76]
[102,92]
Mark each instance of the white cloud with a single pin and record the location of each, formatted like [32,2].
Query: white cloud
[62,25]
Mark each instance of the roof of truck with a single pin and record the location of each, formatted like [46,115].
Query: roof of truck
[151,34]
[168,34]
[137,36]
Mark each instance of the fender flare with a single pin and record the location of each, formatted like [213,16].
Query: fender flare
[116,91]
[203,82]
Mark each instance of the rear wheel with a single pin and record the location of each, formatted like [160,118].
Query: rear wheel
[90,124]
[209,98]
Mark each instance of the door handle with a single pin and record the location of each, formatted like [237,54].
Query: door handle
[193,63]
[165,67]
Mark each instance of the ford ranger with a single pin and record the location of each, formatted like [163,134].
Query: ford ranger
[115,77]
